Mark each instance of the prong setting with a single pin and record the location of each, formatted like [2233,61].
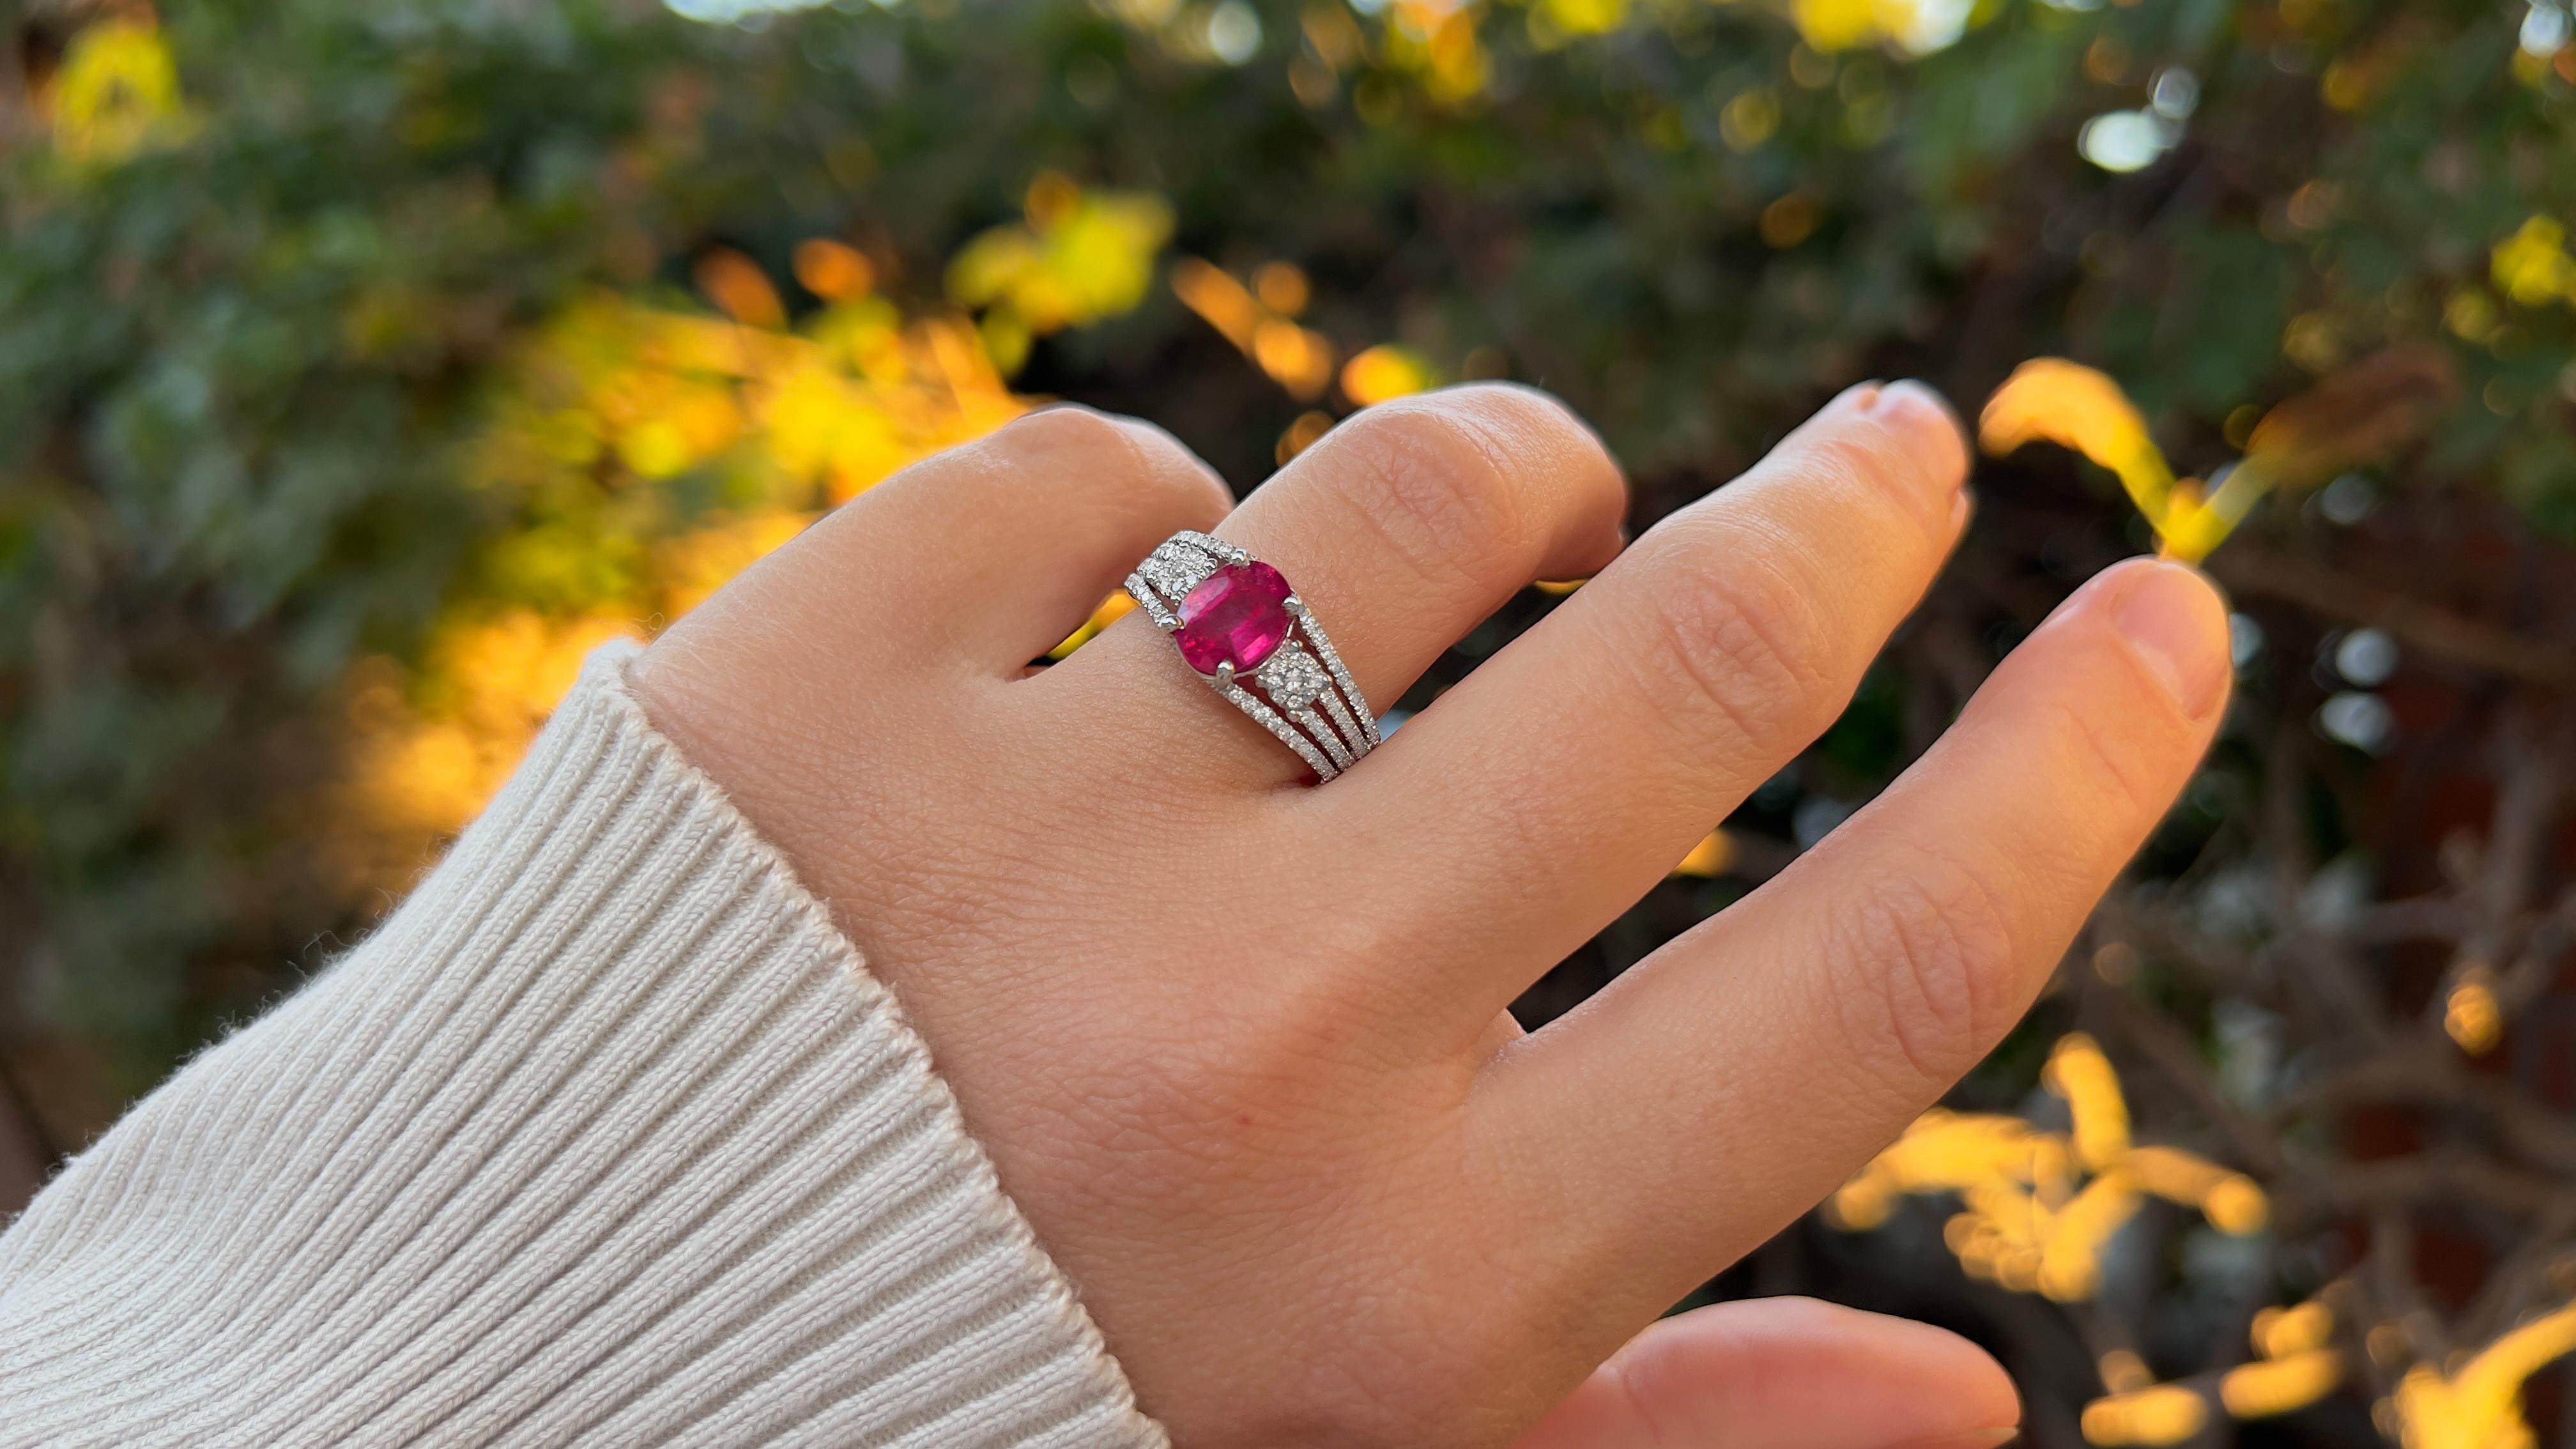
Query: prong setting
[1306,696]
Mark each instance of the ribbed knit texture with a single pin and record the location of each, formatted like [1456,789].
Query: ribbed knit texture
[606,1137]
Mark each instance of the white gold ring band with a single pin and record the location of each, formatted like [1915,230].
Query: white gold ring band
[1238,624]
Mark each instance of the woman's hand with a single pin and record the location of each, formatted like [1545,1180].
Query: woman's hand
[1239,1046]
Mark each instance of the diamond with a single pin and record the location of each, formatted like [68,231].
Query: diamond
[1294,679]
[1238,615]
[1177,571]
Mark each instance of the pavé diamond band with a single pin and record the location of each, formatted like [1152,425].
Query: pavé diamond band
[1257,645]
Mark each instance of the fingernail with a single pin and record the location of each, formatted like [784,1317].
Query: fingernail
[2173,619]
[1973,1439]
[1923,413]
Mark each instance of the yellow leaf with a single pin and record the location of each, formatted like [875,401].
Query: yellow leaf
[1831,25]
[1297,359]
[2079,1072]
[2165,1414]
[1104,253]
[2237,1206]
[2278,1386]
[1709,858]
[2195,524]
[1458,68]
[2497,1372]
[834,271]
[804,414]
[2281,1332]
[1006,339]
[1986,1158]
[991,265]
[2124,1372]
[1081,256]
[2053,400]
[736,284]
[2232,1202]
[1586,17]
[1221,301]
[1283,288]
[2070,1265]
[1383,373]
[2532,266]
[116,93]
[2480,1406]
[2472,1017]
[654,448]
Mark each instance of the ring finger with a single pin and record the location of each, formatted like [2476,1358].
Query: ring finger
[1402,529]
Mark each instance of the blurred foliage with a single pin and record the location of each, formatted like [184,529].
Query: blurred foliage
[1079,258]
[2041,1208]
[2356,419]
[645,456]
[362,366]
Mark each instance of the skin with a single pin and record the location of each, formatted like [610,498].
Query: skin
[1239,1045]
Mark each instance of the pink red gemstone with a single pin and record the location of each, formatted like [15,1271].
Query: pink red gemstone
[1237,615]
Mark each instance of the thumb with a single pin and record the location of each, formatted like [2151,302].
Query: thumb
[1788,1373]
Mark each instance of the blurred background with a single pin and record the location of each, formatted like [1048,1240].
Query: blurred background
[362,365]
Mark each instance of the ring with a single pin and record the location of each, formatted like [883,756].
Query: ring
[1240,626]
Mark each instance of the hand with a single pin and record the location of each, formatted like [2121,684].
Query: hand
[1239,1046]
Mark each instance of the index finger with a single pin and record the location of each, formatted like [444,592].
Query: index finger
[1754,1063]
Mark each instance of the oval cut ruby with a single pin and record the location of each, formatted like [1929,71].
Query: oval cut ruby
[1237,615]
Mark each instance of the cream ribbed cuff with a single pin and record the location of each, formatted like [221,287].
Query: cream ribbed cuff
[606,1137]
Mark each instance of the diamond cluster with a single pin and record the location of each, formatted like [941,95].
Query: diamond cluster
[1237,623]
[1174,572]
[1293,678]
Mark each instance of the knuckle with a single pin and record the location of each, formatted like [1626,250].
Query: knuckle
[1522,418]
[1174,469]
[1067,428]
[1438,489]
[1554,456]
[1130,468]
[1934,946]
[1871,462]
[1747,641]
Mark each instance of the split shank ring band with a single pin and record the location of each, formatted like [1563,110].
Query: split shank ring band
[1238,624]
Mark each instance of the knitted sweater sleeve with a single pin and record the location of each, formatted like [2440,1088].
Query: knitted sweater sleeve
[606,1137]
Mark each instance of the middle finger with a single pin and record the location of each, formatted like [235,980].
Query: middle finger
[1584,759]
